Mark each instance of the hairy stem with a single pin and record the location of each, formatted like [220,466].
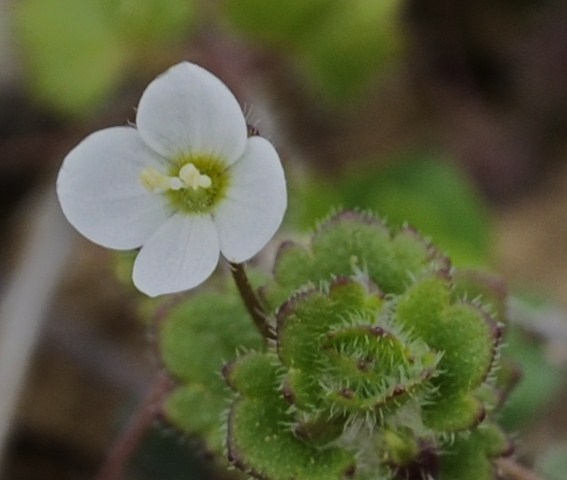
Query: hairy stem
[250,299]
[511,470]
[129,441]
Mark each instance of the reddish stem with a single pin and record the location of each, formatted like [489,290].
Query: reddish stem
[511,470]
[251,301]
[135,432]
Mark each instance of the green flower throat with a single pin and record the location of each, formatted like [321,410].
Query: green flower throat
[194,184]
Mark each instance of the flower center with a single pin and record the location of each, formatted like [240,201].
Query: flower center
[194,184]
[194,179]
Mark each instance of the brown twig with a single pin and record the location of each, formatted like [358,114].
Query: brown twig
[250,299]
[134,433]
[510,470]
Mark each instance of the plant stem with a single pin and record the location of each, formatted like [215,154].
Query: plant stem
[134,433]
[514,471]
[250,299]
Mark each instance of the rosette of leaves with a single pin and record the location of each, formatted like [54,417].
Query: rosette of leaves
[381,366]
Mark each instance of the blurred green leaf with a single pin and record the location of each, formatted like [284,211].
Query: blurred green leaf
[423,190]
[147,24]
[339,44]
[199,336]
[77,51]
[538,384]
[345,53]
[73,57]
[277,23]
[165,456]
[469,458]
[553,463]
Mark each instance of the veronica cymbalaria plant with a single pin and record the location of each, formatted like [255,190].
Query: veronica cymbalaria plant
[185,184]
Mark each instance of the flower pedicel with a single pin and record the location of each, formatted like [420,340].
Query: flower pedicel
[184,185]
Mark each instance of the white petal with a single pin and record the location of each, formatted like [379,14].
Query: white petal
[188,110]
[100,191]
[180,255]
[255,204]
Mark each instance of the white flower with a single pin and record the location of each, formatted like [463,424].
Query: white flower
[185,185]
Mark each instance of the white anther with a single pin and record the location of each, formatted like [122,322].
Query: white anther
[193,178]
[175,183]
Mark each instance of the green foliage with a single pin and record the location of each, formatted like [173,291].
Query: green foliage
[278,23]
[383,363]
[526,361]
[351,242]
[469,457]
[267,450]
[163,456]
[153,23]
[340,45]
[343,56]
[383,353]
[342,361]
[463,332]
[77,51]
[198,337]
[424,190]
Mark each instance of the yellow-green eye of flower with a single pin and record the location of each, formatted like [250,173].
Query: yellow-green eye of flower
[195,184]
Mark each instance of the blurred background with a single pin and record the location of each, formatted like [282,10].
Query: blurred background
[453,119]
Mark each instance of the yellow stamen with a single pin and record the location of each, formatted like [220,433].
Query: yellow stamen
[193,178]
[152,179]
[175,183]
[189,177]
